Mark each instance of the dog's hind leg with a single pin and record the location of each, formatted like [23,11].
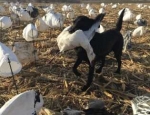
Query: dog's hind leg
[118,58]
[99,70]
[77,63]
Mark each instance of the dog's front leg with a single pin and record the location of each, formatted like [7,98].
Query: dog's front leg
[90,77]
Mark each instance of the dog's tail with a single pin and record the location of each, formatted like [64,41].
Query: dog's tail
[120,20]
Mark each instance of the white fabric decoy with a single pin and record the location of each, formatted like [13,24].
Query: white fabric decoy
[41,25]
[6,53]
[24,16]
[5,22]
[70,15]
[30,4]
[2,9]
[66,8]
[24,52]
[52,6]
[69,111]
[103,5]
[6,4]
[141,105]
[67,41]
[128,15]
[139,31]
[89,7]
[101,10]
[139,16]
[114,6]
[30,33]
[54,20]
[82,5]
[92,13]
[26,103]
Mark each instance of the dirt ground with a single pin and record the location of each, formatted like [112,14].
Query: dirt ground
[52,74]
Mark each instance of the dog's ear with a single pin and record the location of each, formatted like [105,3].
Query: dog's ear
[100,17]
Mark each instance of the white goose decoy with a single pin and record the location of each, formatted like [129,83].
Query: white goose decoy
[24,52]
[92,13]
[5,22]
[103,5]
[82,5]
[41,25]
[70,15]
[2,10]
[114,6]
[26,103]
[89,7]
[24,16]
[101,10]
[139,16]
[128,15]
[139,5]
[30,4]
[52,6]
[66,8]
[139,31]
[67,41]
[54,20]
[6,4]
[7,55]
[140,22]
[30,33]
[140,105]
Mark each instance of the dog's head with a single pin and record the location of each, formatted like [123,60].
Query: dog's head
[84,23]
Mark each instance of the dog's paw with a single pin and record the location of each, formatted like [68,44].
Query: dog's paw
[98,70]
[84,88]
[77,74]
[117,72]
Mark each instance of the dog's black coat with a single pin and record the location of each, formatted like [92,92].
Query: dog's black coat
[102,44]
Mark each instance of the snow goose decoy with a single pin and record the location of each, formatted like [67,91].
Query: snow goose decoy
[92,13]
[26,103]
[33,12]
[73,36]
[30,33]
[54,20]
[128,16]
[141,22]
[114,6]
[41,25]
[71,15]
[139,16]
[5,22]
[101,10]
[139,31]
[8,61]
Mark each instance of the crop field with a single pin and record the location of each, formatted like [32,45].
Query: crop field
[52,73]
